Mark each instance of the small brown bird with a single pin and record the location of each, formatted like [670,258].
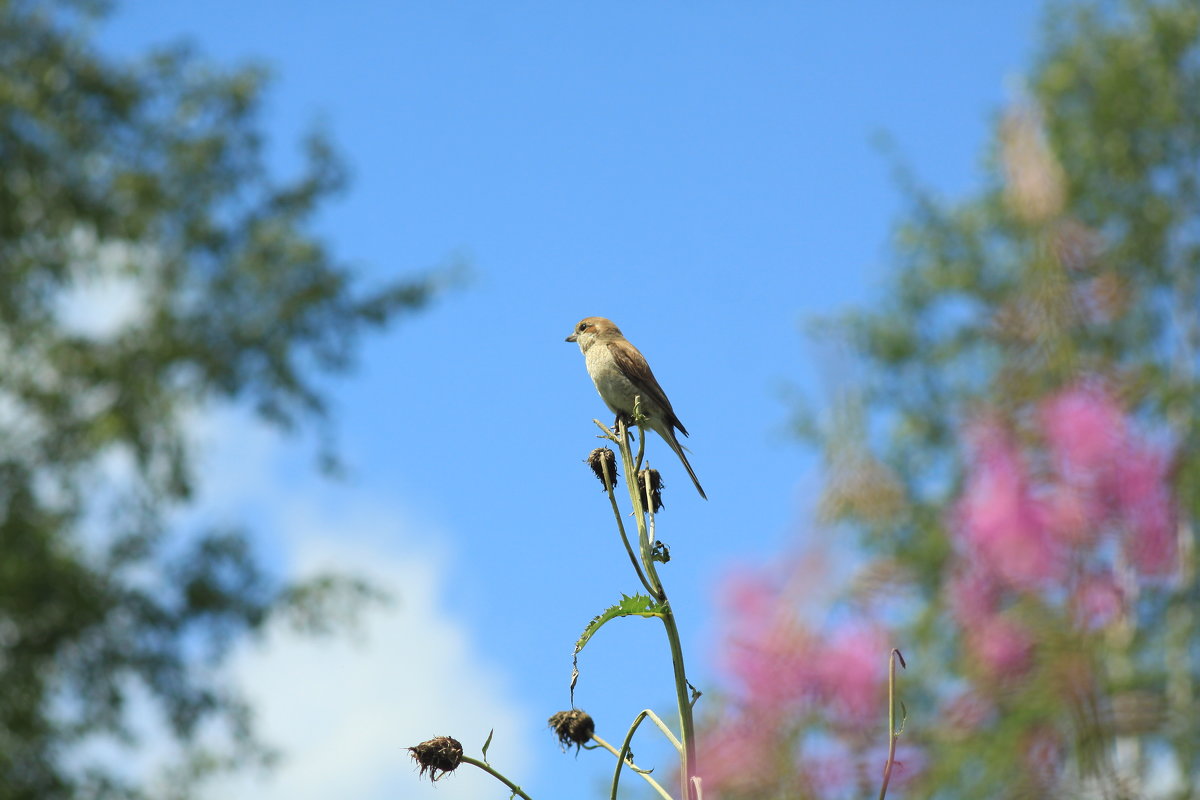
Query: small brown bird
[621,373]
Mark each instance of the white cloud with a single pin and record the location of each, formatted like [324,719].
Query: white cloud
[342,709]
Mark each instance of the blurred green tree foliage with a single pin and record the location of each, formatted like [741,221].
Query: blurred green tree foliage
[1024,458]
[1021,459]
[144,183]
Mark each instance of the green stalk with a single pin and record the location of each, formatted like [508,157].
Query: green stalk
[486,767]
[893,734]
[609,483]
[687,728]
[687,731]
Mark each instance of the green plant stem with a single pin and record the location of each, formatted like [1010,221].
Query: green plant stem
[486,767]
[662,726]
[639,512]
[687,732]
[609,482]
[623,753]
[893,734]
[645,774]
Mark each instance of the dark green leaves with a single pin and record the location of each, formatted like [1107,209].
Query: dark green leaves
[147,181]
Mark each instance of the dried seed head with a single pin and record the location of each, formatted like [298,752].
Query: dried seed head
[572,727]
[437,756]
[654,501]
[600,457]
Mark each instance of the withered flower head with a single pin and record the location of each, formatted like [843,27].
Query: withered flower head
[572,727]
[437,756]
[597,459]
[654,501]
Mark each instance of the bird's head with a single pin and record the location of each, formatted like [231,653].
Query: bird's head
[593,329]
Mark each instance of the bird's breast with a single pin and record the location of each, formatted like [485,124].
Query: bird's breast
[615,389]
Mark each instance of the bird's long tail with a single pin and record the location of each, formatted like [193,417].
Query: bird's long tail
[669,436]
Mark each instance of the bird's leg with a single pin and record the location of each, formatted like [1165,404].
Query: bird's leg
[621,420]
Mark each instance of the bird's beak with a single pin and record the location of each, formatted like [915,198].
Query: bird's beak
[571,338]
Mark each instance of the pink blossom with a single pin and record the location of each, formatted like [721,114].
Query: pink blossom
[750,595]
[737,756]
[1073,513]
[1097,600]
[972,595]
[768,652]
[775,668]
[1003,647]
[1084,427]
[852,675]
[998,519]
[1144,495]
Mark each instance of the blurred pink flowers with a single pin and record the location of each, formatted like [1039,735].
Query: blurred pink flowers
[1144,495]
[787,676]
[1097,600]
[851,675]
[1085,429]
[999,521]
[1003,647]
[738,756]
[781,667]
[1033,521]
[1064,508]
[769,654]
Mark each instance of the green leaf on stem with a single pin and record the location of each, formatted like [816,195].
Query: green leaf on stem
[638,605]
[487,744]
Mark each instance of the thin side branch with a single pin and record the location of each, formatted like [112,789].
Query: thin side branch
[643,772]
[609,481]
[893,731]
[483,765]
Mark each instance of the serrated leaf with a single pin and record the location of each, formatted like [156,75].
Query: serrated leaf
[638,605]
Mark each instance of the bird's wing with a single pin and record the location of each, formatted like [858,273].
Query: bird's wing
[633,365]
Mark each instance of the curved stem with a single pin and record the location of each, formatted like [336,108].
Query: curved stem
[639,511]
[624,752]
[893,734]
[486,767]
[609,481]
[687,728]
[644,773]
[662,726]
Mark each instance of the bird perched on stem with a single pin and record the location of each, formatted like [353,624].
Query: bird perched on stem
[621,373]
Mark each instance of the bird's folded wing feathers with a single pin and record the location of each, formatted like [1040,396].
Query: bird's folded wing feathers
[637,370]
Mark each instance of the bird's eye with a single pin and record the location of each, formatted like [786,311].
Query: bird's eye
[582,327]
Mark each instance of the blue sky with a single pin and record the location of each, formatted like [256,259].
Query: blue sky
[704,174]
